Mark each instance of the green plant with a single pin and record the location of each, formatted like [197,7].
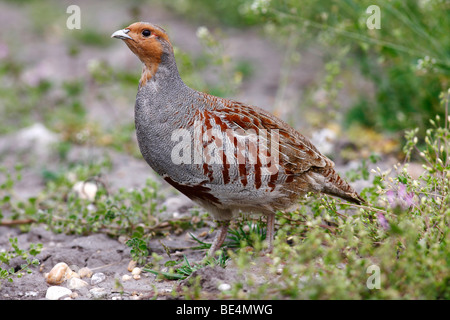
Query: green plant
[180,272]
[139,250]
[246,234]
[14,252]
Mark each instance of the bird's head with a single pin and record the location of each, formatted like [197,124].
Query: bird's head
[147,41]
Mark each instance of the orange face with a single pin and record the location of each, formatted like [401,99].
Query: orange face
[147,41]
[144,39]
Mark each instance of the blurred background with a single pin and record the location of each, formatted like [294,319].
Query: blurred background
[316,64]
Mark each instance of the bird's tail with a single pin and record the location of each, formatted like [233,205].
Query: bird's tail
[336,186]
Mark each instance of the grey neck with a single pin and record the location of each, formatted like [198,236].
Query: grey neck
[167,77]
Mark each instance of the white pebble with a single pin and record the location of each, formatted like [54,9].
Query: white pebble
[98,293]
[76,283]
[135,297]
[126,277]
[31,294]
[85,190]
[97,278]
[224,287]
[136,276]
[136,271]
[57,292]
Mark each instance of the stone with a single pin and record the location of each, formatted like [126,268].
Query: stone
[224,287]
[76,283]
[71,274]
[85,272]
[74,295]
[31,294]
[97,278]
[58,273]
[131,265]
[136,271]
[57,292]
[98,293]
[36,139]
[126,277]
[85,190]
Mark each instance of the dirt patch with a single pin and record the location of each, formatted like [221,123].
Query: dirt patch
[98,252]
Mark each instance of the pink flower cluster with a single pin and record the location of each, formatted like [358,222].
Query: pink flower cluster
[400,197]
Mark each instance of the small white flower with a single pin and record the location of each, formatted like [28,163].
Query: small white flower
[202,32]
[260,6]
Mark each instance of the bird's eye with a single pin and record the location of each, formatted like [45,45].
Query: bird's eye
[146,33]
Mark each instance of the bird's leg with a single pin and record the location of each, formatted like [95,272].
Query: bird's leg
[220,237]
[270,231]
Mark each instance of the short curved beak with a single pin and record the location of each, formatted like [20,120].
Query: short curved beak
[121,34]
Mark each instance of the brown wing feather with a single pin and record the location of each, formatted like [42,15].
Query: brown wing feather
[298,153]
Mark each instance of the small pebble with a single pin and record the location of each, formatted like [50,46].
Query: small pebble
[71,274]
[136,271]
[126,277]
[136,276]
[136,295]
[85,190]
[58,273]
[31,294]
[76,283]
[85,272]
[57,292]
[224,287]
[98,293]
[131,265]
[97,278]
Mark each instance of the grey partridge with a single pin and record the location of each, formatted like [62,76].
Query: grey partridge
[226,156]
